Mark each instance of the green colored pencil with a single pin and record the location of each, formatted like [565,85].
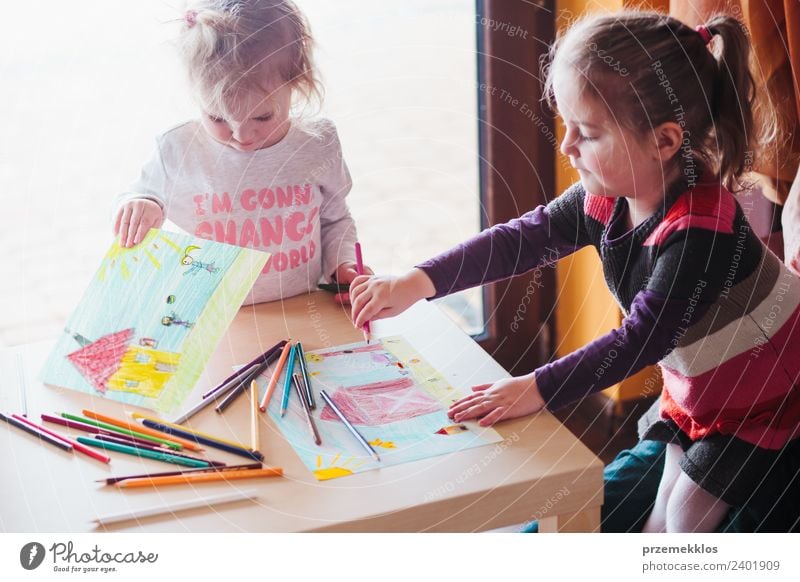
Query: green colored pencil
[145,437]
[148,454]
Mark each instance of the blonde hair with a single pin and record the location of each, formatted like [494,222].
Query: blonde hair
[234,47]
[651,68]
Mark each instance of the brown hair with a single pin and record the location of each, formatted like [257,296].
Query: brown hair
[232,47]
[655,69]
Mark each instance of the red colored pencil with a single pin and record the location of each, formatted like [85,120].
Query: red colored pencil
[360,271]
[75,445]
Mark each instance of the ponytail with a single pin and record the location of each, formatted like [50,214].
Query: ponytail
[733,99]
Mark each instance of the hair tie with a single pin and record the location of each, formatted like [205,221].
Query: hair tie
[705,33]
[190,17]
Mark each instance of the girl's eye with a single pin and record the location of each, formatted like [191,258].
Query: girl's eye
[216,119]
[586,138]
[264,117]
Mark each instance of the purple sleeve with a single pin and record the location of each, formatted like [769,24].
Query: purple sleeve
[502,251]
[653,328]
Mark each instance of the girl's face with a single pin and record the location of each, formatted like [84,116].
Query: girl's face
[610,159]
[260,121]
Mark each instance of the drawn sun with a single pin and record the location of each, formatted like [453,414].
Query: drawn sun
[119,257]
[334,470]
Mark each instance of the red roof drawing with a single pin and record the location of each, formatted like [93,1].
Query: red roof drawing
[102,358]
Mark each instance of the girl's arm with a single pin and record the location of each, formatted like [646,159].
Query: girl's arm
[687,280]
[538,238]
[338,230]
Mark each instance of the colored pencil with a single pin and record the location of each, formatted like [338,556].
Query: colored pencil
[301,357]
[287,383]
[335,287]
[136,428]
[43,436]
[207,477]
[312,427]
[275,375]
[91,429]
[254,416]
[214,397]
[140,452]
[114,428]
[191,431]
[239,388]
[176,506]
[114,480]
[244,369]
[119,441]
[241,451]
[246,379]
[360,271]
[329,401]
[75,445]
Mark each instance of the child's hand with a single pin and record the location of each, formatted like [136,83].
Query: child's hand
[508,398]
[134,219]
[345,273]
[379,297]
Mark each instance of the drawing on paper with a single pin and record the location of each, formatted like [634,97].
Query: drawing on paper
[394,398]
[121,342]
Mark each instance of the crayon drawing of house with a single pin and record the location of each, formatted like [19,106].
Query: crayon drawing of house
[114,363]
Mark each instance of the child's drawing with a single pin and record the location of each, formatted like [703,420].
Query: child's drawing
[120,344]
[395,399]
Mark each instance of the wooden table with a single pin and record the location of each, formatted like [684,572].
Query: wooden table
[539,470]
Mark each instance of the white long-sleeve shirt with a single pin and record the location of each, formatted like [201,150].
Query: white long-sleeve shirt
[288,200]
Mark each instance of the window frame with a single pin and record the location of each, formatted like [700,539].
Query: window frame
[516,171]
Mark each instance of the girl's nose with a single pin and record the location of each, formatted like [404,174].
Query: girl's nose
[568,144]
[241,133]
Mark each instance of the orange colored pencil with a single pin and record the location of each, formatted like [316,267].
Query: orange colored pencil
[275,375]
[141,429]
[188,478]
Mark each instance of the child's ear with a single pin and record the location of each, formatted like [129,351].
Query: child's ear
[669,137]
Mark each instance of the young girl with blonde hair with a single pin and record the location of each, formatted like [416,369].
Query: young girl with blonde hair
[252,170]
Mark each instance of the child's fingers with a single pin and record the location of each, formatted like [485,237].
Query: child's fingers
[495,415]
[141,232]
[358,285]
[124,222]
[342,298]
[133,227]
[482,387]
[365,314]
[366,306]
[478,409]
[464,404]
[467,398]
[117,220]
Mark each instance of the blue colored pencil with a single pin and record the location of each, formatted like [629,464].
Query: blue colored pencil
[255,455]
[287,385]
[301,358]
[139,452]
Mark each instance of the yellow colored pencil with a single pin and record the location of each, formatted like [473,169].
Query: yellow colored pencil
[254,415]
[189,430]
[275,375]
[142,429]
[187,478]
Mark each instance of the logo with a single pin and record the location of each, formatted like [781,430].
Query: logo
[31,555]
